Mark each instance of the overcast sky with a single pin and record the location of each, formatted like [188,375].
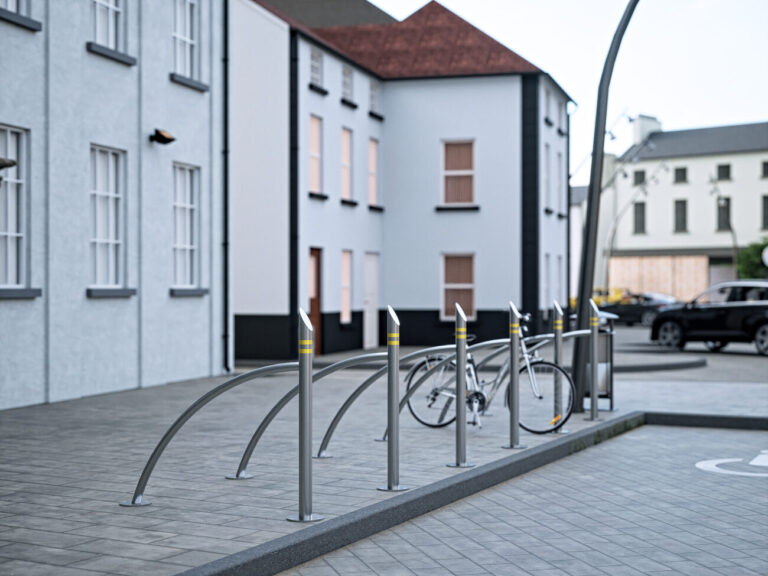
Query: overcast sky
[691,63]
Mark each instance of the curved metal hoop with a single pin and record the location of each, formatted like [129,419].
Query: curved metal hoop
[138,494]
[363,387]
[347,363]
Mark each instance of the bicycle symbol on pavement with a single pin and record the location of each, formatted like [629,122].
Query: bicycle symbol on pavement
[761,460]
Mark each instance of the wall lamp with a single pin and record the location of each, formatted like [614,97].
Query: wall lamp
[161,137]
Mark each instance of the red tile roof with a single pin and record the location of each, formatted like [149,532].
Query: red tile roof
[431,42]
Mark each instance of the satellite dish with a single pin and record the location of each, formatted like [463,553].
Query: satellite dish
[765,255]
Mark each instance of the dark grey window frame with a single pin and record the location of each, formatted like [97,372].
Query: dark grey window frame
[681,175]
[723,214]
[681,216]
[639,218]
[638,178]
[765,212]
[723,171]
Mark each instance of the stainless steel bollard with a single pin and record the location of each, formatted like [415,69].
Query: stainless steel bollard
[557,327]
[594,344]
[306,339]
[461,390]
[514,378]
[393,404]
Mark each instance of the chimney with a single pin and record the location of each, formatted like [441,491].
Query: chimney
[644,125]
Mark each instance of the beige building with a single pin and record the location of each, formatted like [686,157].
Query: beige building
[680,205]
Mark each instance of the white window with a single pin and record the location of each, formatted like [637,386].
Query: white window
[107,23]
[106,217]
[547,185]
[347,83]
[373,162]
[316,67]
[315,154]
[17,6]
[185,38]
[346,164]
[458,175]
[458,285]
[186,202]
[374,96]
[12,203]
[345,314]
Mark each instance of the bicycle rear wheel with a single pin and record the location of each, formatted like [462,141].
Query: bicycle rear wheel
[433,403]
[546,397]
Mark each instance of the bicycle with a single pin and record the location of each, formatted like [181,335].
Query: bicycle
[546,390]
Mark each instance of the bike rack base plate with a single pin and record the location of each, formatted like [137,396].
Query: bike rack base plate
[310,518]
[397,488]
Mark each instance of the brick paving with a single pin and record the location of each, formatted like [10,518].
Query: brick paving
[635,505]
[64,467]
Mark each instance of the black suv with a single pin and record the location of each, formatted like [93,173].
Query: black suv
[728,312]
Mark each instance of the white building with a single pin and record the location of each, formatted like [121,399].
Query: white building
[683,203]
[110,267]
[414,177]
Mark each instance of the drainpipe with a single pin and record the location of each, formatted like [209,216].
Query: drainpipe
[225,186]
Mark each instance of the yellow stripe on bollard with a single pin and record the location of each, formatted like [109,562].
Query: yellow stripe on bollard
[594,322]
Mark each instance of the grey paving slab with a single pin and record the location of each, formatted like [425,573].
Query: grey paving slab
[64,467]
[651,471]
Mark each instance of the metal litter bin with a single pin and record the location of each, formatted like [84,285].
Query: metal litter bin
[604,358]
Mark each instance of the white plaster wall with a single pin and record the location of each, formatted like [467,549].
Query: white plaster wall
[553,223]
[745,190]
[22,105]
[179,336]
[259,157]
[424,114]
[72,100]
[328,224]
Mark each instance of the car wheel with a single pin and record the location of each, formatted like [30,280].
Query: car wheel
[647,319]
[761,339]
[671,335]
[715,346]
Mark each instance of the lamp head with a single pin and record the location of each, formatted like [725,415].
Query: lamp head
[161,136]
[6,163]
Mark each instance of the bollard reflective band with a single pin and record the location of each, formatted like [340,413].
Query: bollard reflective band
[461,333]
[393,338]
[558,324]
[305,346]
[514,328]
[594,321]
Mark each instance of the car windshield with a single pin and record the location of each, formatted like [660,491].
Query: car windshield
[714,296]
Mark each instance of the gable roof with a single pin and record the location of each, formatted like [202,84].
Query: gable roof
[313,13]
[431,42]
[701,142]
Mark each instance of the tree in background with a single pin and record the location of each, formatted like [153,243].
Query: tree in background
[751,260]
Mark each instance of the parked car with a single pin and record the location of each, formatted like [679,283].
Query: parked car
[639,308]
[728,312]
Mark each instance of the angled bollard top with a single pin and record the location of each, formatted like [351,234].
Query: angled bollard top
[306,333]
[595,313]
[461,323]
[392,315]
[557,324]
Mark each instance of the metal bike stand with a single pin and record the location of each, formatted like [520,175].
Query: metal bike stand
[594,324]
[306,339]
[514,379]
[557,328]
[393,404]
[461,390]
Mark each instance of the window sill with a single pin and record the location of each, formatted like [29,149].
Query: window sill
[376,116]
[680,232]
[110,292]
[348,202]
[375,208]
[548,121]
[21,21]
[20,293]
[349,103]
[319,89]
[188,292]
[724,179]
[100,50]
[681,182]
[457,208]
[188,82]
[318,196]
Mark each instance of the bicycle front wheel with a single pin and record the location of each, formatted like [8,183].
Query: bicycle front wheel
[433,403]
[546,397]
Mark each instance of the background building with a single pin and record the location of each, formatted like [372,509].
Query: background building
[683,203]
[110,267]
[428,165]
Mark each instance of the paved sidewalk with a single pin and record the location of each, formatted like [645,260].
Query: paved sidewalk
[64,467]
[635,505]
